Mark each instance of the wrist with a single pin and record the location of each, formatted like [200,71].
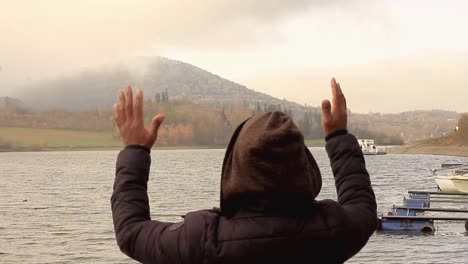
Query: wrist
[336,133]
[136,146]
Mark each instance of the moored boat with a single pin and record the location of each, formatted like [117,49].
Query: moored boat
[452,177]
[461,183]
[368,147]
[445,183]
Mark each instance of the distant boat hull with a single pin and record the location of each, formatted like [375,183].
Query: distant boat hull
[460,183]
[368,147]
[452,178]
[445,183]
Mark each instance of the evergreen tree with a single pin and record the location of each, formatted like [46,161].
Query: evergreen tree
[306,125]
[223,116]
[258,108]
[167,96]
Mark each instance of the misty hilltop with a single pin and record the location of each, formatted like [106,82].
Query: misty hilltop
[96,88]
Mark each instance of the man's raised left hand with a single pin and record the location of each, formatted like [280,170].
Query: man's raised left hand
[130,120]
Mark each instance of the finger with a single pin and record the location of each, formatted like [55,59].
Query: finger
[341,98]
[138,110]
[155,124]
[121,106]
[121,98]
[339,92]
[334,87]
[335,93]
[129,103]
[326,111]
[117,115]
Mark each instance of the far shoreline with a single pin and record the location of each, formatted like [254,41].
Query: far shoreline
[410,148]
[457,151]
[117,148]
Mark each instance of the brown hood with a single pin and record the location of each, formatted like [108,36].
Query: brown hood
[267,155]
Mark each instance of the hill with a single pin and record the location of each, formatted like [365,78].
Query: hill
[95,88]
[82,102]
[11,103]
[408,126]
[454,143]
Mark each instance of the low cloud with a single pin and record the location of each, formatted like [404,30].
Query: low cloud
[43,37]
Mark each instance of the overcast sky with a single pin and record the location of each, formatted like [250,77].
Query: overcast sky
[390,56]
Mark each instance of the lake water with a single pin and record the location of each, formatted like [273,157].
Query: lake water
[55,206]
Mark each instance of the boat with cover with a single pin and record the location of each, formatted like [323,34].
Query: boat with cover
[452,177]
[368,147]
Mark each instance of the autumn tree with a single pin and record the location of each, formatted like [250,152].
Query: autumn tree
[462,132]
[463,124]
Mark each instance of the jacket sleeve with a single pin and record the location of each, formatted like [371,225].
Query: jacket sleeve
[356,211]
[146,240]
[137,236]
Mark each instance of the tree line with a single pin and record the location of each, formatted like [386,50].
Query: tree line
[186,123]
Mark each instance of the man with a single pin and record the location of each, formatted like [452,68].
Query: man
[269,182]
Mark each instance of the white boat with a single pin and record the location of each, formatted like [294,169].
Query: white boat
[368,147]
[452,177]
[461,183]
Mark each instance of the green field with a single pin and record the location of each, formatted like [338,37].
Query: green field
[315,142]
[36,139]
[52,138]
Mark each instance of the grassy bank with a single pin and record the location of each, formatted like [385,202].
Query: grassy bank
[35,139]
[315,142]
[418,148]
[32,139]
[453,144]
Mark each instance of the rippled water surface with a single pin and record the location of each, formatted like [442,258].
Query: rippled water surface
[54,206]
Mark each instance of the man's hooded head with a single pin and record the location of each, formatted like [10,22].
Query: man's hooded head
[267,157]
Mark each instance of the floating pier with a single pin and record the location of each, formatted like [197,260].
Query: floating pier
[437,193]
[419,209]
[411,215]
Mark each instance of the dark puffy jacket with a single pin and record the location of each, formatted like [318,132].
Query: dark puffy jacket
[258,222]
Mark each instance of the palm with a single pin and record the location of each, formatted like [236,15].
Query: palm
[129,119]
